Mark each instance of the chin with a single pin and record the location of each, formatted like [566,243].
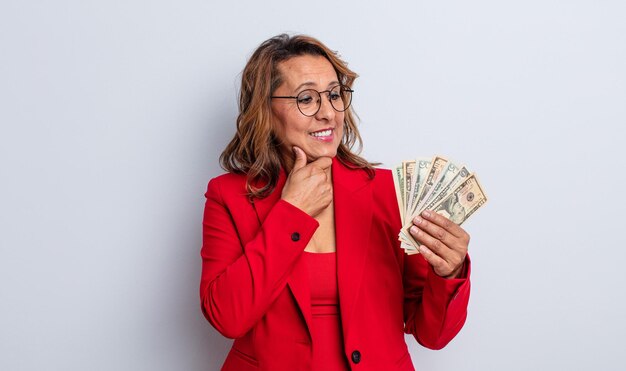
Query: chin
[317,154]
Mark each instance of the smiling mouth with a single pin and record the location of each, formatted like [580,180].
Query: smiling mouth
[322,133]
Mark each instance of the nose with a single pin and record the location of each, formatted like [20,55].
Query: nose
[326,111]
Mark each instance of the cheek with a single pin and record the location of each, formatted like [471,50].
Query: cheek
[341,126]
[289,129]
[280,128]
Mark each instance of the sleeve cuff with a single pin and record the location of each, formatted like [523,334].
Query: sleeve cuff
[448,287]
[297,225]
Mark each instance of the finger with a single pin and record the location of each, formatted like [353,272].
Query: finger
[300,160]
[433,259]
[436,231]
[444,223]
[327,193]
[433,244]
[322,163]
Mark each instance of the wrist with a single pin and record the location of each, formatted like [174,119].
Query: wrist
[458,272]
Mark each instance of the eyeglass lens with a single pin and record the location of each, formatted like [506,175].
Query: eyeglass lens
[309,100]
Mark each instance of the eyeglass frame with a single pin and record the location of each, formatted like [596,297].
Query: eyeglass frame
[319,93]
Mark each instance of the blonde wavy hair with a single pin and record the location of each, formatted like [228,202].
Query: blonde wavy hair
[255,150]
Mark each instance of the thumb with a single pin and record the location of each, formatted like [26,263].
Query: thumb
[300,160]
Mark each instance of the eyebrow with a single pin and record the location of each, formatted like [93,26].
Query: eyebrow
[310,84]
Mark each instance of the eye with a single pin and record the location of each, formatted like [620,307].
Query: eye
[305,98]
[335,93]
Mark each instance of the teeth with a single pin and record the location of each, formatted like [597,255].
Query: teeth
[324,133]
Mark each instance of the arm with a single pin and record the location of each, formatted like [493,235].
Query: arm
[239,283]
[443,247]
[435,307]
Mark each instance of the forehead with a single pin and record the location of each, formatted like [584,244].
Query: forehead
[312,70]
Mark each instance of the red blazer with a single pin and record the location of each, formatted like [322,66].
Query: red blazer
[254,287]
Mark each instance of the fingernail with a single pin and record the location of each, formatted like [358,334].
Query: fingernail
[414,230]
[421,249]
[417,220]
[426,213]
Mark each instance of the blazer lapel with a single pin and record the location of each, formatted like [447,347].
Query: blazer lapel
[298,280]
[262,206]
[353,217]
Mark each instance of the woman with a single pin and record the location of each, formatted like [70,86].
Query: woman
[301,264]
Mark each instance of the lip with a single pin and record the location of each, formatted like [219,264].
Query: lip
[323,138]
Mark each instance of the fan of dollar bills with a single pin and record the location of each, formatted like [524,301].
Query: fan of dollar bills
[435,184]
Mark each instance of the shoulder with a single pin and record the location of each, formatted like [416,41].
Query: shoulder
[384,192]
[355,174]
[383,175]
[354,178]
[230,179]
[227,185]
[383,179]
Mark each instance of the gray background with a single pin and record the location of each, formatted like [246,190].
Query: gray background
[113,115]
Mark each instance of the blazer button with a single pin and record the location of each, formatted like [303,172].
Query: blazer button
[295,236]
[356,356]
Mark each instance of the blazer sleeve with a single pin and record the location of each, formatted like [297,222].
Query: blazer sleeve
[240,280]
[435,308]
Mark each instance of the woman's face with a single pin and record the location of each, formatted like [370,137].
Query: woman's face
[318,135]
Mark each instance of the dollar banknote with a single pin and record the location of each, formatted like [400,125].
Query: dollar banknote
[408,169]
[421,170]
[436,167]
[436,184]
[446,175]
[398,183]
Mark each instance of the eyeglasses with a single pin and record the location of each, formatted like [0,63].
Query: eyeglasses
[309,101]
